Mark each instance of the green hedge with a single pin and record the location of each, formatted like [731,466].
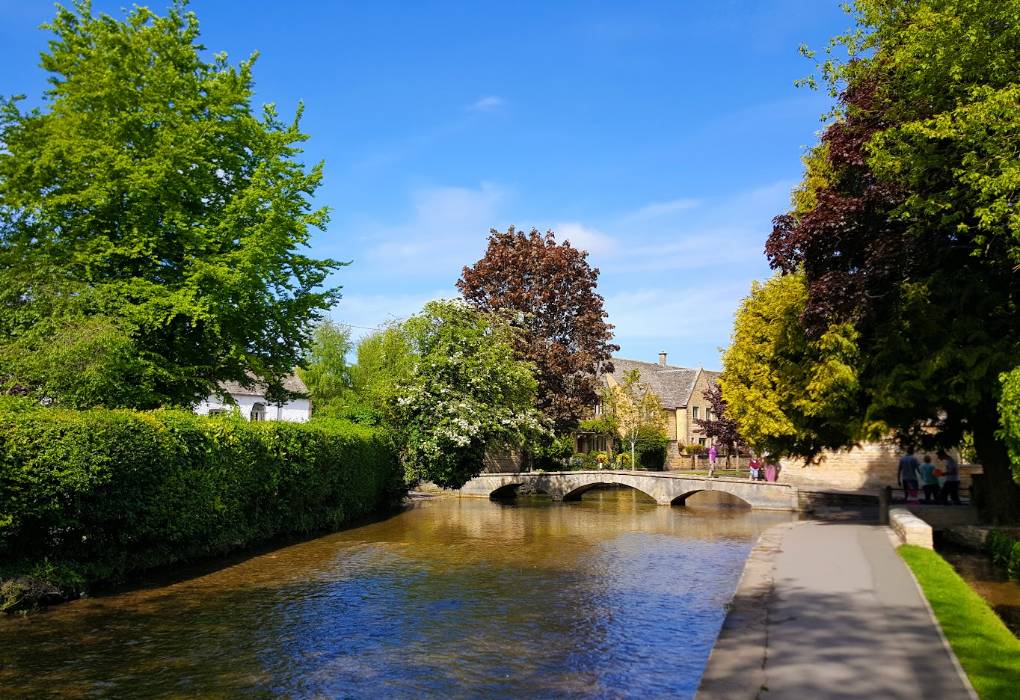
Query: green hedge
[1005,550]
[91,497]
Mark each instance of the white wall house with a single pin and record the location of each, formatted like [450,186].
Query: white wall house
[252,403]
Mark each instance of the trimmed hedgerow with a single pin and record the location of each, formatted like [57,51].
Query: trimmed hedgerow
[90,497]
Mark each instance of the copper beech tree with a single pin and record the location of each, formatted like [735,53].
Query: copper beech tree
[550,290]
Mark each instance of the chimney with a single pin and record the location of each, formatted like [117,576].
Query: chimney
[662,358]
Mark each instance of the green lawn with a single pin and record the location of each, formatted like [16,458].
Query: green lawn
[989,652]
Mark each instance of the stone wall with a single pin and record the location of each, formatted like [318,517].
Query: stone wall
[910,529]
[503,461]
[870,466]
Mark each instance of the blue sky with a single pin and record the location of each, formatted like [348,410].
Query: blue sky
[660,136]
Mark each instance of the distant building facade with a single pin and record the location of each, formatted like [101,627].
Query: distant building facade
[253,405]
[681,393]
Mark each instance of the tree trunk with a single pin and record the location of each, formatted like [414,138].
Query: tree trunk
[1000,502]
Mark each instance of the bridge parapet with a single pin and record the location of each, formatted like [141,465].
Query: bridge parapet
[665,487]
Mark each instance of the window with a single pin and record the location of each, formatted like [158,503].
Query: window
[258,412]
[694,413]
[217,411]
[709,414]
[701,441]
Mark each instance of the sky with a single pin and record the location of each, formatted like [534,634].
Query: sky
[661,137]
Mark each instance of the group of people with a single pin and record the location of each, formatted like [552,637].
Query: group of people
[940,484]
[759,469]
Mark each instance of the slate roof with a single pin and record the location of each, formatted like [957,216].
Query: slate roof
[291,383]
[673,385]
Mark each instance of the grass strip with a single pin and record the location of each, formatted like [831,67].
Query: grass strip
[988,651]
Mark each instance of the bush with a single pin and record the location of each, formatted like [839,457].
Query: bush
[90,497]
[586,461]
[650,446]
[554,452]
[1005,551]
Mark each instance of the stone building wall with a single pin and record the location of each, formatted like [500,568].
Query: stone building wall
[686,427]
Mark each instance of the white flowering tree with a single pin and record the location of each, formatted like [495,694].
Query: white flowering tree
[465,394]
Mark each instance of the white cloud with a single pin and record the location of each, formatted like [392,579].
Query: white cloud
[675,315]
[659,209]
[446,229]
[488,103]
[584,237]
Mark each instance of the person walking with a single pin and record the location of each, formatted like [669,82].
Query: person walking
[713,457]
[951,488]
[906,475]
[929,481]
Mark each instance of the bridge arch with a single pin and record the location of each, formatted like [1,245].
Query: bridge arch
[508,491]
[681,500]
[575,494]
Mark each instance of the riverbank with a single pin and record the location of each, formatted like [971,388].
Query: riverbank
[829,610]
[986,648]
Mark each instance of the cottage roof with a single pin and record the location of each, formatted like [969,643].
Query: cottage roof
[673,385]
[291,383]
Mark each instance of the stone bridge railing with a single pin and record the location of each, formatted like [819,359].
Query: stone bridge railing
[667,488]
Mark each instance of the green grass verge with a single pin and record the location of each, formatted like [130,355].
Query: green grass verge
[988,651]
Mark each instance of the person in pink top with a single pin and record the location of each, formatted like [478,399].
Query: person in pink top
[713,457]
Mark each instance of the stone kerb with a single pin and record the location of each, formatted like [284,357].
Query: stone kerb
[910,529]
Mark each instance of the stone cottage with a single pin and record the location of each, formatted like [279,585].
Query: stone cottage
[254,406]
[681,392]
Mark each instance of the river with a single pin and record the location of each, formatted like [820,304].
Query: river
[612,596]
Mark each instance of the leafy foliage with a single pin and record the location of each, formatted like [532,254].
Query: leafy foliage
[147,192]
[94,496]
[1005,551]
[720,426]
[464,394]
[907,227]
[549,290]
[790,394]
[326,373]
[632,413]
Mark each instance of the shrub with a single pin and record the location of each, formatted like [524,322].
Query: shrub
[554,452]
[90,497]
[1005,551]
[587,460]
[650,446]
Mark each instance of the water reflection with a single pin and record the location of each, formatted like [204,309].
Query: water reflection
[611,596]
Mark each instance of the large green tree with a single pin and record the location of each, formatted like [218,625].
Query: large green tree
[909,229]
[147,191]
[326,373]
[466,393]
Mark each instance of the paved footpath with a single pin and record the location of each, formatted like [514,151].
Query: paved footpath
[829,610]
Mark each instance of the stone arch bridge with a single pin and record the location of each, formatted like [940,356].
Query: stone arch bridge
[666,488]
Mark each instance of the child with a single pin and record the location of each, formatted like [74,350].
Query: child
[754,467]
[929,480]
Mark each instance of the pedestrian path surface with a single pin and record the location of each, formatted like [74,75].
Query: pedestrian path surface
[829,610]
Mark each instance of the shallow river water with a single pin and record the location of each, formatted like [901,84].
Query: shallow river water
[611,596]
